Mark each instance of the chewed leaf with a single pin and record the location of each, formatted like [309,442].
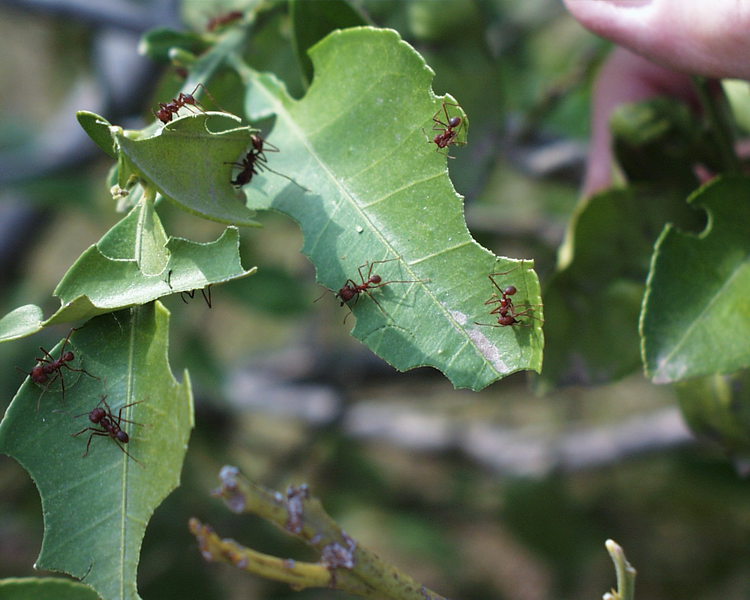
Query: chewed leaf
[127,352]
[134,263]
[187,160]
[696,301]
[379,191]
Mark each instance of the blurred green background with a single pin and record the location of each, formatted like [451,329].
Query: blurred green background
[500,494]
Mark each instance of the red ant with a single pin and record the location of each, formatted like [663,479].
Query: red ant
[205,292]
[352,290]
[255,162]
[505,310]
[109,426]
[43,372]
[170,109]
[222,20]
[448,131]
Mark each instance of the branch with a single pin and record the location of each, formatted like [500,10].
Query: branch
[343,564]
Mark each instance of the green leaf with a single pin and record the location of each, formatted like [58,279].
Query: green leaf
[696,315]
[45,588]
[592,304]
[187,161]
[96,507]
[134,263]
[21,322]
[98,129]
[312,21]
[381,192]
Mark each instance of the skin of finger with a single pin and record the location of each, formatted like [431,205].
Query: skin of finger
[625,77]
[691,36]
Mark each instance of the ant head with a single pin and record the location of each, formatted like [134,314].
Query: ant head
[68,356]
[122,436]
[346,293]
[257,142]
[39,374]
[164,115]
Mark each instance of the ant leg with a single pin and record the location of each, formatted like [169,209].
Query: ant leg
[169,279]
[62,384]
[121,447]
[445,111]
[121,418]
[210,95]
[369,272]
[375,300]
[190,294]
[261,164]
[270,147]
[91,436]
[84,371]
[439,125]
[494,299]
[49,359]
[207,297]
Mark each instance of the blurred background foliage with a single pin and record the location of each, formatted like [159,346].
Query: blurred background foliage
[500,494]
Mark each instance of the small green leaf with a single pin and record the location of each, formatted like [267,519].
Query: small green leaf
[381,192]
[98,129]
[21,322]
[189,163]
[157,43]
[696,315]
[96,507]
[45,588]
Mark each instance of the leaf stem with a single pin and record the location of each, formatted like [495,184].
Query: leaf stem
[343,564]
[625,573]
[722,126]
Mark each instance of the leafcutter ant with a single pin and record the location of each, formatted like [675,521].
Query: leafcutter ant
[449,129]
[168,110]
[217,22]
[255,162]
[49,369]
[108,426]
[505,310]
[352,290]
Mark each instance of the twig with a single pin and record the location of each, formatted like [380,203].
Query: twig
[625,574]
[343,564]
